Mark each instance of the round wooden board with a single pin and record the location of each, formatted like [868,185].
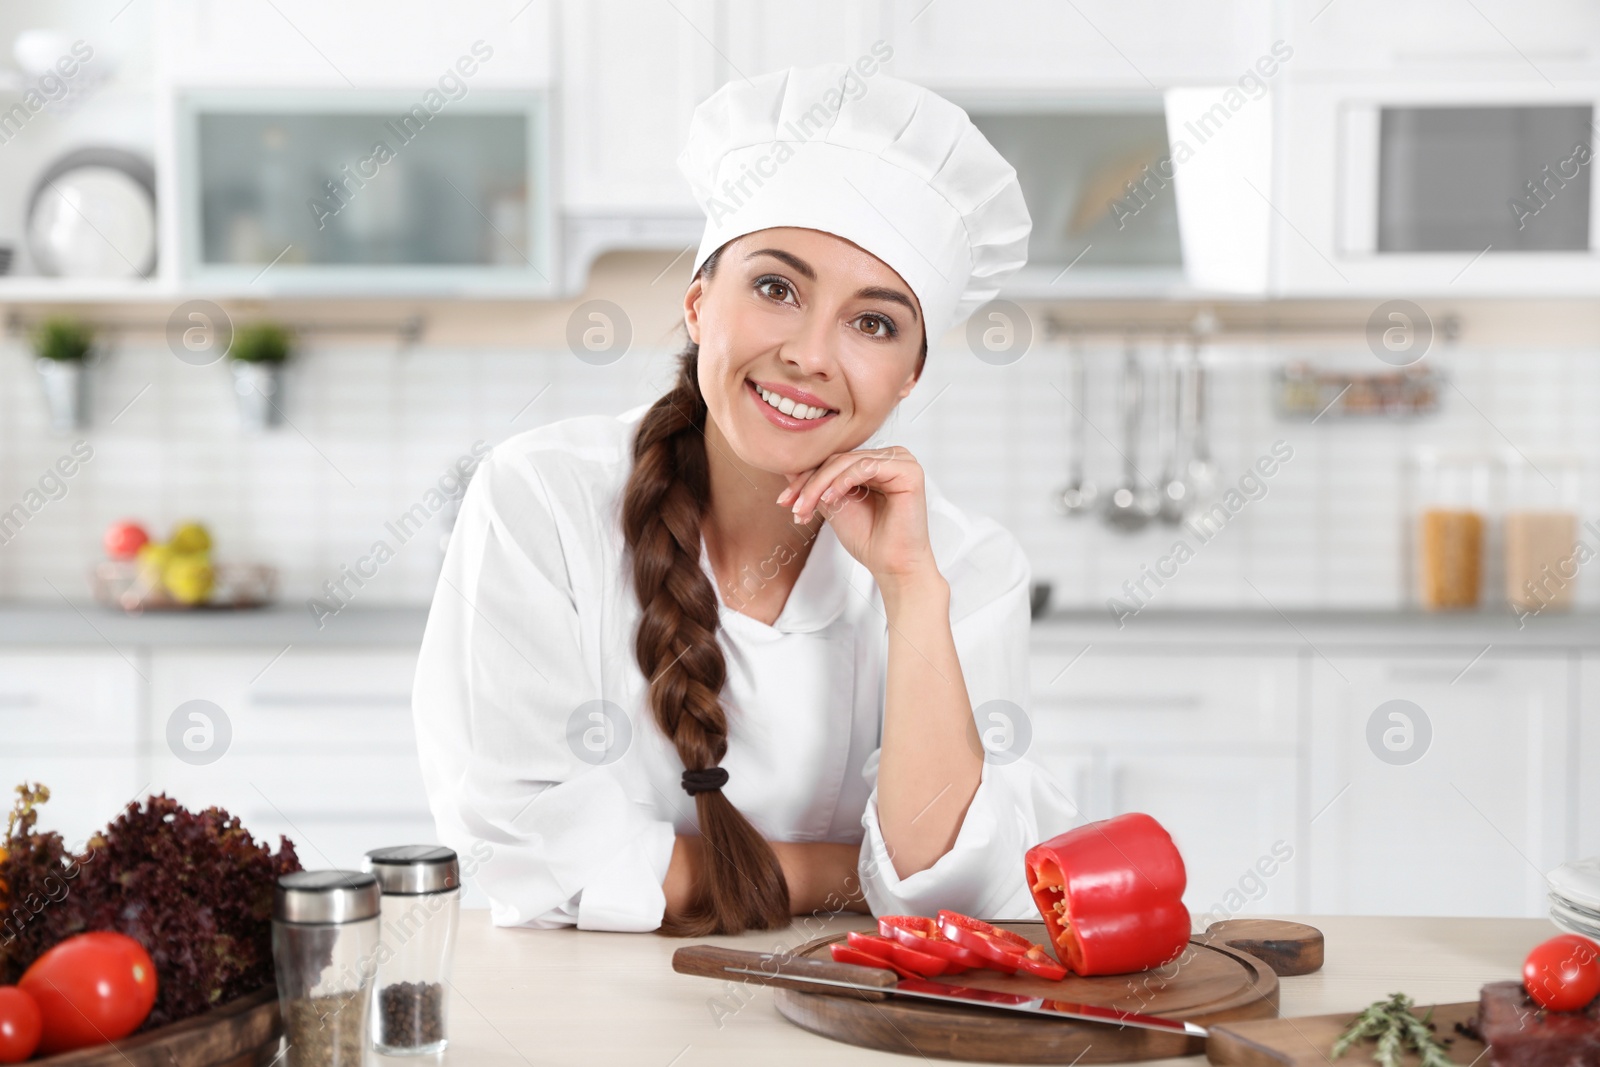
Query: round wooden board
[1209,983]
[233,1035]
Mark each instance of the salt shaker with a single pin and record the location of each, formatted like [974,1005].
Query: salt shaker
[324,947]
[421,905]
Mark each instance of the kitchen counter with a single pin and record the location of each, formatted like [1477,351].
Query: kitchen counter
[573,996]
[1276,631]
[89,624]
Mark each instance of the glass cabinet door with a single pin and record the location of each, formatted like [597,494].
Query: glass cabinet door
[366,192]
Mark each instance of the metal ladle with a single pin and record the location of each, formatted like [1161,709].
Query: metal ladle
[1078,496]
[1174,490]
[1129,508]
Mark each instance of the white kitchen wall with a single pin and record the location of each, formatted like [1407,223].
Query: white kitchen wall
[374,427]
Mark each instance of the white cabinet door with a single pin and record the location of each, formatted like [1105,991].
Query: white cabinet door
[632,75]
[315,745]
[357,44]
[761,38]
[70,721]
[1234,820]
[1143,45]
[1438,784]
[1584,759]
[1421,38]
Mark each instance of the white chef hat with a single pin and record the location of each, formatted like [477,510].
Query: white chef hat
[896,169]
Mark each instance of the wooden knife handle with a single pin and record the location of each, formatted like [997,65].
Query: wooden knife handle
[786,971]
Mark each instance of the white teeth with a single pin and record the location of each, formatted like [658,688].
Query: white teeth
[789,407]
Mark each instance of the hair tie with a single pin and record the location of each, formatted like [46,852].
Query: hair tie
[705,781]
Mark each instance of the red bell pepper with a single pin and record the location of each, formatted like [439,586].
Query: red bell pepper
[843,953]
[1111,895]
[922,932]
[1001,950]
[905,959]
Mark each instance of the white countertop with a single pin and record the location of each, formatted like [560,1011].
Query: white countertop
[525,997]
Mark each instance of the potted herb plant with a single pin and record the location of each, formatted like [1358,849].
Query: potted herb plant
[257,357]
[61,347]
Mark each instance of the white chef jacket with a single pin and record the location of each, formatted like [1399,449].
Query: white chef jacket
[533,620]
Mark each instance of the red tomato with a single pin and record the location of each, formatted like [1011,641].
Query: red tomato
[1563,974]
[91,988]
[19,1025]
[124,539]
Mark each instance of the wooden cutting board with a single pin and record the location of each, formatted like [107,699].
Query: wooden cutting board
[233,1035]
[1305,1041]
[1229,972]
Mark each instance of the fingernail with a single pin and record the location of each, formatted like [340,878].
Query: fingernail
[828,494]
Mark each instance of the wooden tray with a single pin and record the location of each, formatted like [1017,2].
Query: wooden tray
[1306,1041]
[230,1036]
[1229,972]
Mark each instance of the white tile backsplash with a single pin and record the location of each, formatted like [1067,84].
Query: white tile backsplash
[371,428]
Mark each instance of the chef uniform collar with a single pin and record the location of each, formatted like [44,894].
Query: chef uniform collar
[888,165]
[820,593]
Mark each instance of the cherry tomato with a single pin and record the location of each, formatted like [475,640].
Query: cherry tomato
[19,1025]
[1001,949]
[124,539]
[922,933]
[921,964]
[91,988]
[1563,974]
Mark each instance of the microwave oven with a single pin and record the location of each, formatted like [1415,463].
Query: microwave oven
[1451,189]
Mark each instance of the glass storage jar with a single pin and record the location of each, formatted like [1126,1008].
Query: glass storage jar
[421,904]
[1541,532]
[324,944]
[1452,520]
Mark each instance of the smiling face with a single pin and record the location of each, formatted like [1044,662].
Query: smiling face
[807,342]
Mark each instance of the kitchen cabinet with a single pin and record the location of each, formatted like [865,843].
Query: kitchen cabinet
[1583,757]
[71,722]
[1207,743]
[632,75]
[1101,45]
[1423,37]
[305,44]
[1454,801]
[318,746]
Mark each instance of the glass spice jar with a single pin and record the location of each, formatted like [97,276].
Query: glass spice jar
[421,906]
[1451,528]
[324,939]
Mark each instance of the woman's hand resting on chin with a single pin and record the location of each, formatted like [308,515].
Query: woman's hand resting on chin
[877,503]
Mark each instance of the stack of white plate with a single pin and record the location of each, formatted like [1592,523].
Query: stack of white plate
[1575,897]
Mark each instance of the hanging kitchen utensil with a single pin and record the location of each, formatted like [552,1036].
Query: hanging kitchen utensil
[1079,495]
[1131,505]
[1202,472]
[1174,490]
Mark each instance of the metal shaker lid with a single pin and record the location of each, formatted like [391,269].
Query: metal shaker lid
[325,897]
[413,869]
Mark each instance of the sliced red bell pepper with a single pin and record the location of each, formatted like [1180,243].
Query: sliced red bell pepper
[920,964]
[1111,895]
[843,953]
[922,932]
[1001,950]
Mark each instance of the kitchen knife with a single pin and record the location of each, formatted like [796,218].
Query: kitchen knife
[839,979]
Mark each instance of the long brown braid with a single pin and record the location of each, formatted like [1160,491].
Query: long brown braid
[669,489]
[741,885]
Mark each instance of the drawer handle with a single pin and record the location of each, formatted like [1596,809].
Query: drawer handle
[322,700]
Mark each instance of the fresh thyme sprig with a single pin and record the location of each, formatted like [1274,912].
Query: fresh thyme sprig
[1391,1022]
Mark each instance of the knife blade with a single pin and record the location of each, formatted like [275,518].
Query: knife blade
[824,976]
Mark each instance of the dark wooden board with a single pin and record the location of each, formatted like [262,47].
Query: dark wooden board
[1212,982]
[229,1036]
[1305,1041]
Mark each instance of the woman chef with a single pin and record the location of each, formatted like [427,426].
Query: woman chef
[714,662]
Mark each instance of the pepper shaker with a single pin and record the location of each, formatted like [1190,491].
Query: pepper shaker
[421,904]
[324,945]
